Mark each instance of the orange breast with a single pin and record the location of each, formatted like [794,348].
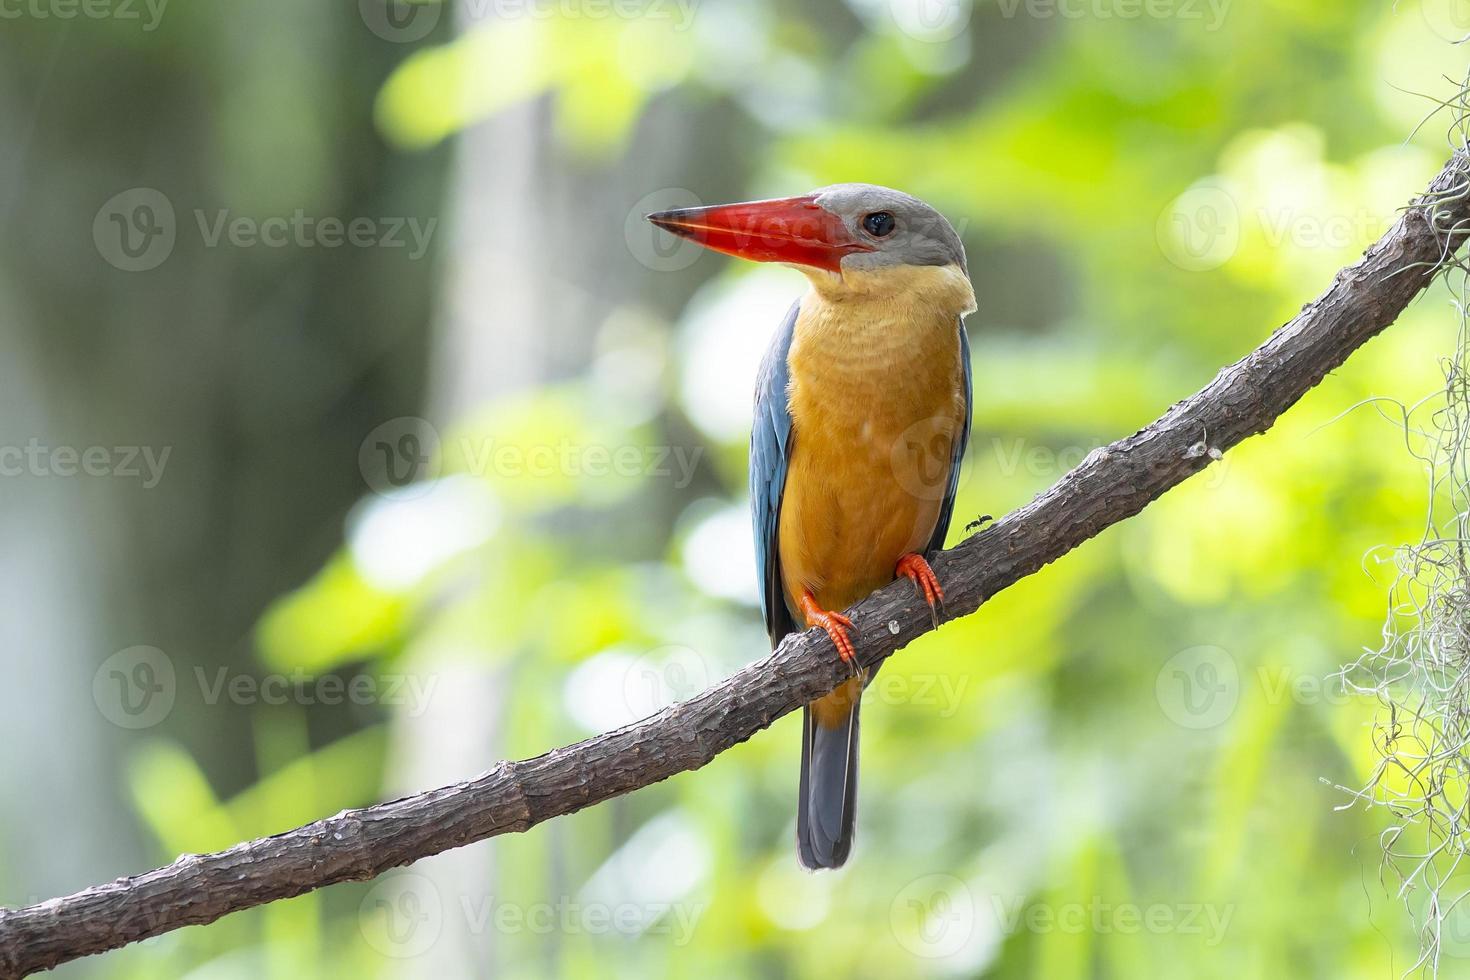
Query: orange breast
[875,411]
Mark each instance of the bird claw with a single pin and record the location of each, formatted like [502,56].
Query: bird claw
[836,626]
[926,583]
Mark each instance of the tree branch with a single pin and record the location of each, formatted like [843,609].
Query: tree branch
[1111,484]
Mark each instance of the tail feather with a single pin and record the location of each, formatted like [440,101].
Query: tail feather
[827,799]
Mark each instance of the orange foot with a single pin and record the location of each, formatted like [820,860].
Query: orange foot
[926,583]
[834,623]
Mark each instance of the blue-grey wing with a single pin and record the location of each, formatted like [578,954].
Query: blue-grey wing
[957,453]
[770,454]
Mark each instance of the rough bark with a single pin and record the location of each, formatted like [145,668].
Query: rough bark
[1110,485]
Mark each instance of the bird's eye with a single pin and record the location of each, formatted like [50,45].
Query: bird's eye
[879,224]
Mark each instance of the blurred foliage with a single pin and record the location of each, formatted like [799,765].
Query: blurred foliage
[1040,795]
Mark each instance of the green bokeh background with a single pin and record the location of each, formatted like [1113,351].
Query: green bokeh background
[1129,765]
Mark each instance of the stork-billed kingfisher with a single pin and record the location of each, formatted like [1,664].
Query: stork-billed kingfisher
[862,413]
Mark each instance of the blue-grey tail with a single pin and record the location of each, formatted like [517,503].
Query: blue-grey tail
[827,799]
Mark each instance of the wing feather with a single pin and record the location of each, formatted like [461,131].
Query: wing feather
[957,452]
[770,455]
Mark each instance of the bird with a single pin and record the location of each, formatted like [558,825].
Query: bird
[862,418]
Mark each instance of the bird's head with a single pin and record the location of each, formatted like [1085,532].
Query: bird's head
[846,238]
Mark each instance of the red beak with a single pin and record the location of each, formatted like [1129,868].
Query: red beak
[791,229]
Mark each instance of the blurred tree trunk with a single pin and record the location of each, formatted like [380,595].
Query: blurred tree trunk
[254,367]
[537,263]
